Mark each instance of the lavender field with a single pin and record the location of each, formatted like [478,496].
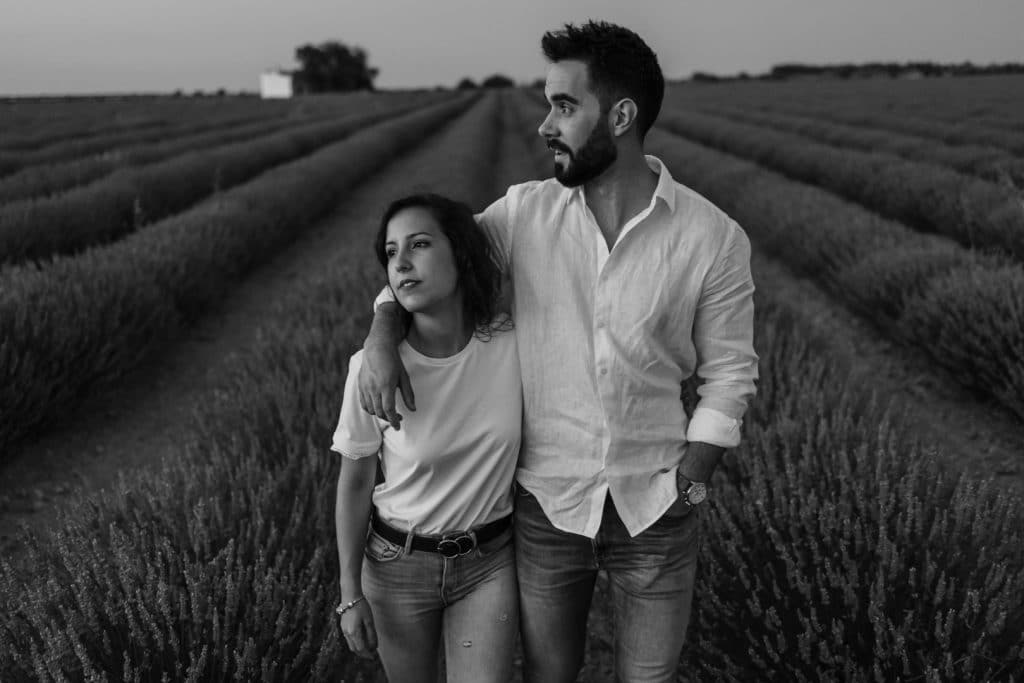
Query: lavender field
[869,527]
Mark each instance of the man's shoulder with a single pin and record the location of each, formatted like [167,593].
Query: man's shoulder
[535,191]
[698,213]
[689,201]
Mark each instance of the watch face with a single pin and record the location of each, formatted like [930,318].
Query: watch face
[697,493]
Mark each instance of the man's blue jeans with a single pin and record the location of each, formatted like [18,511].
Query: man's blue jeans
[422,601]
[650,579]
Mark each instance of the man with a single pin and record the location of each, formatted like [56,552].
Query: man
[623,284]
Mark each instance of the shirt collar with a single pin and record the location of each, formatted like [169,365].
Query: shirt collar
[664,190]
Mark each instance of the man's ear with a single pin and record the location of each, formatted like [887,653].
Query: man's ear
[622,116]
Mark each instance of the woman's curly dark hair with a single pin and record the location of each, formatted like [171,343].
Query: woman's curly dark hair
[479,275]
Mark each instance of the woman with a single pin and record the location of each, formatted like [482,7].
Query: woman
[437,565]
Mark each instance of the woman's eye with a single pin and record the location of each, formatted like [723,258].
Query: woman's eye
[390,253]
[421,243]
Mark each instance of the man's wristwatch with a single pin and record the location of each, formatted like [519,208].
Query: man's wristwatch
[692,492]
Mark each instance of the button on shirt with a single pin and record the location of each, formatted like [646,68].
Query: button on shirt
[606,339]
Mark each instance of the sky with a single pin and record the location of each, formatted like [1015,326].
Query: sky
[118,46]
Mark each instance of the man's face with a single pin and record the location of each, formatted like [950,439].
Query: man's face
[575,128]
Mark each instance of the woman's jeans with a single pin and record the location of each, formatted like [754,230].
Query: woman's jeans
[650,583]
[421,599]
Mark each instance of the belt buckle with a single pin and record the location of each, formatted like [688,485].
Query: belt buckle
[456,544]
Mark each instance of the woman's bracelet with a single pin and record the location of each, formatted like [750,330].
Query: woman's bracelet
[341,609]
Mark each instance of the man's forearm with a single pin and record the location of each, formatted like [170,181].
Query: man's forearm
[382,372]
[700,461]
[390,322]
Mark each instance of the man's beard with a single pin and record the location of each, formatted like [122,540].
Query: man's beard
[590,160]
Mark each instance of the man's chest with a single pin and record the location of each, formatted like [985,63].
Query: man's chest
[645,290]
[651,265]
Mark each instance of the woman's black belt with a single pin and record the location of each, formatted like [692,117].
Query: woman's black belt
[450,545]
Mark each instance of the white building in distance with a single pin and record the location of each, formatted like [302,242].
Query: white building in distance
[276,84]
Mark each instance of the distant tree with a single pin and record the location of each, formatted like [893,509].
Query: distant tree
[784,71]
[332,67]
[846,70]
[466,84]
[702,77]
[498,81]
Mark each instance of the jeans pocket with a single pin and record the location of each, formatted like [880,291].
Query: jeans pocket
[380,549]
[678,510]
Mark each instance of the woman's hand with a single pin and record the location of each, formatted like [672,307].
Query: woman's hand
[359,631]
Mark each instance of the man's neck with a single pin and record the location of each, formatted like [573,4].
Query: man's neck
[620,193]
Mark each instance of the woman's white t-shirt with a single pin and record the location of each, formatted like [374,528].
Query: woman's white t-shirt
[451,464]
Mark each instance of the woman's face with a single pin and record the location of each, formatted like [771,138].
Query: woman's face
[421,265]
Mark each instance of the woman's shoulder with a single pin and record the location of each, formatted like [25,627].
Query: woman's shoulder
[501,327]
[500,337]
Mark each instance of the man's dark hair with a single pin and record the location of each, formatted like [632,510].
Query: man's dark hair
[619,62]
[479,275]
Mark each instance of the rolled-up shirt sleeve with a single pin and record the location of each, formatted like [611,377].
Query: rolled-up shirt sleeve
[723,335]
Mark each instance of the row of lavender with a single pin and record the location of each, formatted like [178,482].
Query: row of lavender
[99,198]
[980,111]
[51,129]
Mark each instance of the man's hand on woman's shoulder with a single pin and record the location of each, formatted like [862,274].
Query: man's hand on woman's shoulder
[382,372]
[380,375]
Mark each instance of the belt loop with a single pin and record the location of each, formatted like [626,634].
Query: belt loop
[408,540]
[369,522]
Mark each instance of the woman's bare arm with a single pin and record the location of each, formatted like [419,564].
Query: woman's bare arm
[351,519]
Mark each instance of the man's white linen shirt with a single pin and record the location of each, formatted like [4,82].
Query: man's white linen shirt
[606,340]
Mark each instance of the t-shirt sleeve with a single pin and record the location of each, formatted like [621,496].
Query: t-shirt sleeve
[358,434]
[385,296]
